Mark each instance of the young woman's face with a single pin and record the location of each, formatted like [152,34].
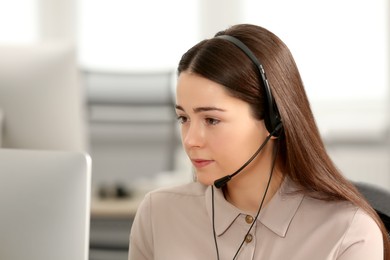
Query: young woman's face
[218,131]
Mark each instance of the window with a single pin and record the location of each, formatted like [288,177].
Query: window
[135,35]
[18,21]
[342,51]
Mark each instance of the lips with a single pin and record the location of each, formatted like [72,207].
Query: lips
[200,163]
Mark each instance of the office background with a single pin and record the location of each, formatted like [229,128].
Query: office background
[127,52]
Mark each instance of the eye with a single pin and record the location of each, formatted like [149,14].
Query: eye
[212,121]
[181,119]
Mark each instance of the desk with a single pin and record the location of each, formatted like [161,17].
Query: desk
[114,208]
[111,221]
[127,207]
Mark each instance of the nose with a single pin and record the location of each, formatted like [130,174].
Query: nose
[193,136]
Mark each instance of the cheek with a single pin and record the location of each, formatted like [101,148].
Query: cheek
[234,149]
[227,150]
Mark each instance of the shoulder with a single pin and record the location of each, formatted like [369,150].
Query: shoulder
[158,212]
[343,209]
[363,238]
[316,207]
[354,231]
[189,190]
[335,214]
[175,195]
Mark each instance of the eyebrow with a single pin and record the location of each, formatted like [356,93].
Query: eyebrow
[201,109]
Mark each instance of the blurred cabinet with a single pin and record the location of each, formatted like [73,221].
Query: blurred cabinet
[132,125]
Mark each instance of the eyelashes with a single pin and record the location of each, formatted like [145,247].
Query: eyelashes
[208,120]
[181,119]
[212,121]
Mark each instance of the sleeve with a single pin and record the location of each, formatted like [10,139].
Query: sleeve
[141,235]
[363,239]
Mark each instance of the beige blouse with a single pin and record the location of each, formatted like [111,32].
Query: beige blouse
[176,224]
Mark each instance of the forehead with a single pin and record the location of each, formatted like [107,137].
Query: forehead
[194,91]
[196,88]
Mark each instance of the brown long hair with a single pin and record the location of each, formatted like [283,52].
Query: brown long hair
[302,156]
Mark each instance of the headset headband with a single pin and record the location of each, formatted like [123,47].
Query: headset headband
[272,118]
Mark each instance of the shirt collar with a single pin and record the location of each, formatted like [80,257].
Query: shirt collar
[276,215]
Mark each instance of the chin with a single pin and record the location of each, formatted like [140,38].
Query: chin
[206,183]
[205,180]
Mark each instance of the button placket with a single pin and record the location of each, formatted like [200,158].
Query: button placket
[249,220]
[248,249]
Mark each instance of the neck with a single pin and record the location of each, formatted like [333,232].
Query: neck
[247,192]
[247,189]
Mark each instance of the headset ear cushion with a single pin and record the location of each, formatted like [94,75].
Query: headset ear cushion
[275,128]
[278,129]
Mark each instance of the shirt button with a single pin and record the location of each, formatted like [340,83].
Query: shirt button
[248,238]
[249,219]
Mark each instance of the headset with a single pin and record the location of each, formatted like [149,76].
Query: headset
[273,124]
[272,119]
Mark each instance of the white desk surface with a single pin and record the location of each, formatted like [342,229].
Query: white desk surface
[127,207]
[114,208]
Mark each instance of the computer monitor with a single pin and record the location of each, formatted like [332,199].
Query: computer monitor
[44,205]
[42,100]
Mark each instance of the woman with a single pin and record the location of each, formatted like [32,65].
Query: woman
[266,188]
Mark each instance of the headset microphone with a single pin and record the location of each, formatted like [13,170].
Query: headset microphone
[222,181]
[219,183]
